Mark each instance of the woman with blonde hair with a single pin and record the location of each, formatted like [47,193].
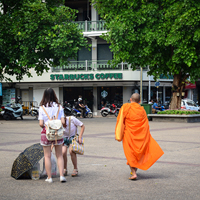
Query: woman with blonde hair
[50,105]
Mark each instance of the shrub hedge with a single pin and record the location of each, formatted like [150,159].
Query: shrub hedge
[179,112]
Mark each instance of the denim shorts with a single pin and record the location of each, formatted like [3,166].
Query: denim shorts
[68,141]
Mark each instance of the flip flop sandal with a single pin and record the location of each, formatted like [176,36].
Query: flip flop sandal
[75,173]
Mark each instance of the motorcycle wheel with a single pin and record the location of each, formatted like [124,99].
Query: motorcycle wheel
[33,113]
[7,117]
[90,115]
[116,113]
[21,117]
[104,114]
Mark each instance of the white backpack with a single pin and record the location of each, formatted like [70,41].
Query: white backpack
[54,128]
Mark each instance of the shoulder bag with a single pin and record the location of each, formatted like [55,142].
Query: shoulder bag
[76,147]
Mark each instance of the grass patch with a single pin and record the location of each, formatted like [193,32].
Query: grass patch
[179,112]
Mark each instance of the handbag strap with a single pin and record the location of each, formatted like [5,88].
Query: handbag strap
[69,126]
[48,115]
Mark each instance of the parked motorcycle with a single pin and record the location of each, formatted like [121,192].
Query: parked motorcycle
[34,111]
[13,111]
[88,112]
[110,110]
[67,109]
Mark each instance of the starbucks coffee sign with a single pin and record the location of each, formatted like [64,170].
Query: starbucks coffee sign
[99,76]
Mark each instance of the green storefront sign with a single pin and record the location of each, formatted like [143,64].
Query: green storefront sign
[100,76]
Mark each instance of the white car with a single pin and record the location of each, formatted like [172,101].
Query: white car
[188,104]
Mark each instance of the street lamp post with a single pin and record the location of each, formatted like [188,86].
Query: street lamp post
[141,96]
[149,86]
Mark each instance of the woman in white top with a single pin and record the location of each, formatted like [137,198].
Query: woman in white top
[51,105]
[69,133]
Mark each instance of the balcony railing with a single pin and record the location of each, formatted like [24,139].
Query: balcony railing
[91,65]
[88,26]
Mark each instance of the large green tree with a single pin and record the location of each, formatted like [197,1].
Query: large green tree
[36,34]
[161,34]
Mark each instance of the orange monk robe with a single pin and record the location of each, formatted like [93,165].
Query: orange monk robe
[140,149]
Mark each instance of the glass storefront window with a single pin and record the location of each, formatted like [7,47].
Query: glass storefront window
[157,93]
[168,94]
[73,93]
[109,95]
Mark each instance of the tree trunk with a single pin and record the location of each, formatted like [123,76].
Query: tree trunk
[5,7]
[177,89]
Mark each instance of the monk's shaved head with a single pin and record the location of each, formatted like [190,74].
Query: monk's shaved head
[135,98]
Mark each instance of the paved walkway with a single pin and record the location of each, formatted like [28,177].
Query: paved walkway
[103,173]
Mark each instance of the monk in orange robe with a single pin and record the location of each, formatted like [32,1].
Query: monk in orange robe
[140,149]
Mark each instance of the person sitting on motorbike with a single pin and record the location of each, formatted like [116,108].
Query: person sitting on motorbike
[151,101]
[155,106]
[102,104]
[81,107]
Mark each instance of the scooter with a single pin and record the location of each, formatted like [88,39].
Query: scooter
[77,113]
[34,111]
[88,112]
[162,108]
[12,112]
[67,109]
[110,110]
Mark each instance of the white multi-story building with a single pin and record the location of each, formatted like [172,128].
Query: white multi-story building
[89,76]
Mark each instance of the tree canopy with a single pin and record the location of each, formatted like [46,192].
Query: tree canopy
[36,34]
[161,34]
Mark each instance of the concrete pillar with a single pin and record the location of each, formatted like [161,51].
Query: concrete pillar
[189,94]
[94,14]
[94,54]
[95,101]
[127,90]
[94,49]
[30,93]
[163,95]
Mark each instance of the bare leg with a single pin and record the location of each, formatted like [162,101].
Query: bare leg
[47,159]
[134,175]
[73,158]
[64,153]
[58,149]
